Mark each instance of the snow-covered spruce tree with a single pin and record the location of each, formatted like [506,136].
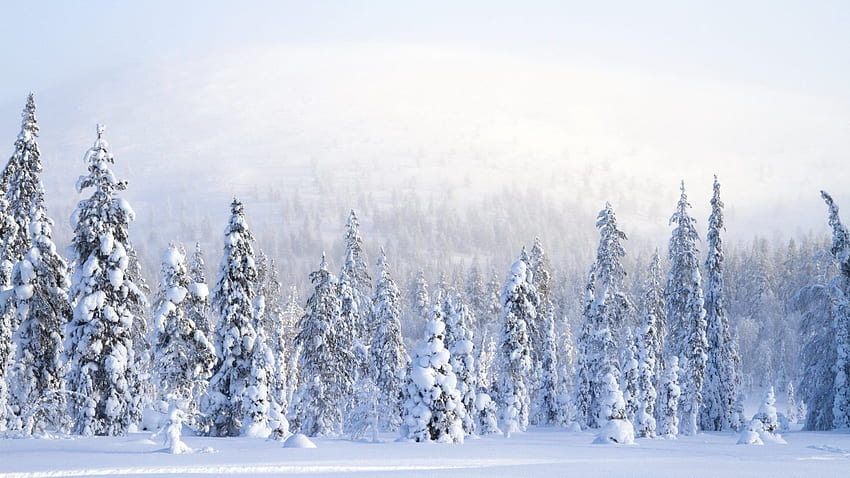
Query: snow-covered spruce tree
[14,241]
[565,411]
[646,338]
[519,305]
[584,401]
[476,297]
[653,304]
[818,355]
[292,313]
[420,300]
[419,307]
[486,410]
[8,236]
[791,411]
[458,340]
[263,414]
[649,338]
[629,367]
[277,336]
[348,343]
[538,265]
[670,393]
[184,356]
[431,412]
[325,369]
[104,375]
[763,311]
[685,313]
[544,406]
[721,388]
[388,358]
[607,310]
[21,181]
[198,300]
[494,301]
[226,403]
[485,365]
[839,291]
[356,287]
[40,281]
[8,317]
[7,355]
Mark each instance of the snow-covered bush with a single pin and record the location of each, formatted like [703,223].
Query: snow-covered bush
[486,422]
[764,425]
[617,429]
[767,412]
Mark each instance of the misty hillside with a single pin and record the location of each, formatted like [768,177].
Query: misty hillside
[448,157]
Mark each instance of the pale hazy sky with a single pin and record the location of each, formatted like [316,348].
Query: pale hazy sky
[800,45]
[755,91]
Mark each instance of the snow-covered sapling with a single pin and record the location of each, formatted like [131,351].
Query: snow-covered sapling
[618,428]
[172,430]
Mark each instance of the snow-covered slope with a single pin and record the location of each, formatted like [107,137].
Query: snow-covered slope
[421,117]
[358,124]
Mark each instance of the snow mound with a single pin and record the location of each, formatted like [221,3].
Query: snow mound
[257,430]
[298,440]
[756,434]
[616,431]
[574,427]
[749,437]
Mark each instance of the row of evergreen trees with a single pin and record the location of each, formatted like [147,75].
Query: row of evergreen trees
[679,366]
[81,350]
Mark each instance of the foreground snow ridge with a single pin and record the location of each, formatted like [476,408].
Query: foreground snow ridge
[238,470]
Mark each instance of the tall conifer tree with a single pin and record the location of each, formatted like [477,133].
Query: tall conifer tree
[839,291]
[685,313]
[41,284]
[105,375]
[388,358]
[721,367]
[233,300]
[519,304]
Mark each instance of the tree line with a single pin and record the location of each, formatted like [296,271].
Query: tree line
[85,348]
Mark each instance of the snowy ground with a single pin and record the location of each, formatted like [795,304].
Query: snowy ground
[539,452]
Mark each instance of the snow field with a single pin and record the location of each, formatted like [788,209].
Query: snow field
[541,452]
